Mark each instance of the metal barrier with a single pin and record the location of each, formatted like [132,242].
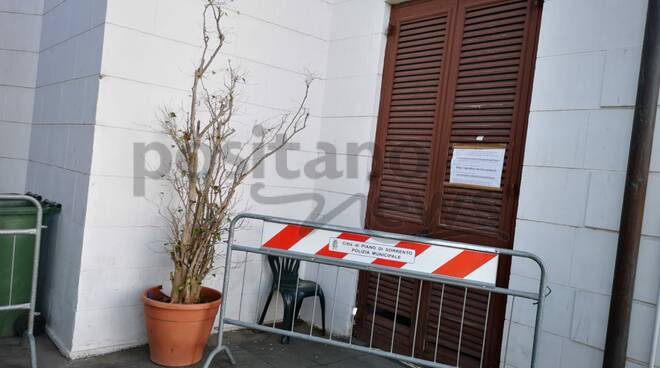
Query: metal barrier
[423,259]
[30,307]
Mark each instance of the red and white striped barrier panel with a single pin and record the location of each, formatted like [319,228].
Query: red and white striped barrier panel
[420,257]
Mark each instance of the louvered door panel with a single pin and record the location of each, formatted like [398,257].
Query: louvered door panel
[380,309]
[443,335]
[409,104]
[487,75]
[410,99]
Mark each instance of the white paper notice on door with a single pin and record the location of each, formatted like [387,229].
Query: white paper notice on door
[477,166]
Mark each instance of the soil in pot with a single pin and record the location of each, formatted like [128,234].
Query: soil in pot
[178,332]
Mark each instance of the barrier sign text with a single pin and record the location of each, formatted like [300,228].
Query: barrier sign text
[373,250]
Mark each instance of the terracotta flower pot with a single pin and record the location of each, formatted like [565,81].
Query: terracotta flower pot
[178,332]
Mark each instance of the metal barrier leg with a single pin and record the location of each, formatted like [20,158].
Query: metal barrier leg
[225,290]
[216,351]
[35,277]
[33,349]
[229,355]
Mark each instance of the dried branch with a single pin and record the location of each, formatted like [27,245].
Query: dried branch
[206,197]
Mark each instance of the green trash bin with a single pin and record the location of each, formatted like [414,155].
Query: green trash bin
[17,256]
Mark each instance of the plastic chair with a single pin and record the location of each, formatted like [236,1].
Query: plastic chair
[287,281]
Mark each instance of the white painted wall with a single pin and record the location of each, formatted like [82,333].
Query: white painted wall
[573,178]
[20,29]
[50,52]
[60,146]
[148,54]
[149,51]
[356,49]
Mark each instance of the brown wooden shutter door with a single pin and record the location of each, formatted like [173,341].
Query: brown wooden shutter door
[488,103]
[410,99]
[456,72]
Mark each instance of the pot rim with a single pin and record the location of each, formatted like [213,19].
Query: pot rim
[201,306]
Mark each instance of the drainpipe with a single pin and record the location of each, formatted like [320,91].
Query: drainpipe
[634,196]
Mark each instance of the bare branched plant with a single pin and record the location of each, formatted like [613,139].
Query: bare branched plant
[206,191]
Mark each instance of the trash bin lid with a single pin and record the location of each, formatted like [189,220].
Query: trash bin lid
[23,207]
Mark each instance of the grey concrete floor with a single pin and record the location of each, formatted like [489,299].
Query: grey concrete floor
[250,348]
